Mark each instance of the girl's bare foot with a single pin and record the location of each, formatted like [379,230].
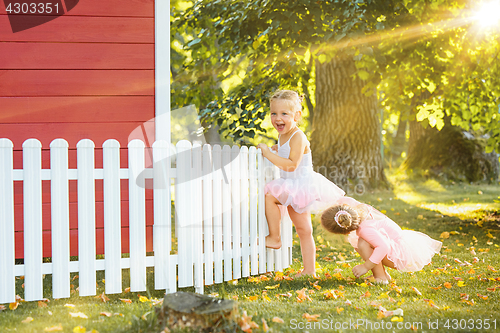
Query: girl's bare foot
[304,273]
[381,281]
[388,277]
[273,243]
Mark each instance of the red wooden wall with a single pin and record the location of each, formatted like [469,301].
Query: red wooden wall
[88,74]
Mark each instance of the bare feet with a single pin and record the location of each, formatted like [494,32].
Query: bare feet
[273,243]
[387,277]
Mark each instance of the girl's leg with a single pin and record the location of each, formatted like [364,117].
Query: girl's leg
[365,250]
[273,216]
[303,226]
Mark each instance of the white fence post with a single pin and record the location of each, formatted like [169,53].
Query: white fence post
[59,205]
[137,217]
[197,222]
[112,216]
[244,197]
[217,211]
[226,213]
[184,208]
[208,231]
[7,250]
[263,231]
[236,211]
[86,217]
[162,228]
[253,176]
[32,191]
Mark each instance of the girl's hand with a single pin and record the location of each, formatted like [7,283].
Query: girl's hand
[264,148]
[359,270]
[275,148]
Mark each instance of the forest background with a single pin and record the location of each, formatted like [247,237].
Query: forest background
[407,85]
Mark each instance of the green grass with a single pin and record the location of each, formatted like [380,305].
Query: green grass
[467,212]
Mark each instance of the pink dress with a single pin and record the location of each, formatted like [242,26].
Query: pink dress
[409,250]
[303,189]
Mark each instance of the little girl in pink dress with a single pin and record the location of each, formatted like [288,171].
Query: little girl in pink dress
[379,240]
[299,190]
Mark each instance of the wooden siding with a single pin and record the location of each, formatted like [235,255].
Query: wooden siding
[88,74]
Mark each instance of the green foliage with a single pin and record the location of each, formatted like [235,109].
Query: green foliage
[426,59]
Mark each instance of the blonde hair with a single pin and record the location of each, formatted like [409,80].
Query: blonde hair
[294,99]
[348,219]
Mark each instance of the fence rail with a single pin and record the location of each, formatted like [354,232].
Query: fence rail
[219,217]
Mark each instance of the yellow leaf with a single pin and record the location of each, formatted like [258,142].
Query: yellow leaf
[27,320]
[278,320]
[143,299]
[78,315]
[445,235]
[461,284]
[396,318]
[71,306]
[13,305]
[53,328]
[127,290]
[79,329]
[273,287]
[252,298]
[339,310]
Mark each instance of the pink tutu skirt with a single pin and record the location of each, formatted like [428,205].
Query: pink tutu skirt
[311,192]
[409,253]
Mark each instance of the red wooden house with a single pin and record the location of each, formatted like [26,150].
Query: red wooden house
[88,74]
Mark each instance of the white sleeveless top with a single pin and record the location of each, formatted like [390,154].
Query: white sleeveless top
[305,166]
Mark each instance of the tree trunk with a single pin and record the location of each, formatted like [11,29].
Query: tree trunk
[346,139]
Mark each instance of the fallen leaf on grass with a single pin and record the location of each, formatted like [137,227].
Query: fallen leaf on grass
[277,320]
[264,325]
[445,235]
[53,328]
[448,285]
[329,294]
[27,320]
[416,291]
[436,288]
[273,286]
[311,317]
[302,295]
[143,317]
[143,299]
[13,305]
[126,300]
[339,310]
[365,295]
[78,315]
[106,314]
[79,329]
[252,298]
[127,290]
[71,306]
[102,297]
[482,296]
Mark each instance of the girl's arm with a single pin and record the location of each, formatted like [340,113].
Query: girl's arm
[298,145]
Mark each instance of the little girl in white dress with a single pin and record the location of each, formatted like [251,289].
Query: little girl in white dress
[300,189]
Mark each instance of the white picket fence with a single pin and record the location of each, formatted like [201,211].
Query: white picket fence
[219,217]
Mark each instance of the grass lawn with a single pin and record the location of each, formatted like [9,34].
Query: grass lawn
[458,292]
